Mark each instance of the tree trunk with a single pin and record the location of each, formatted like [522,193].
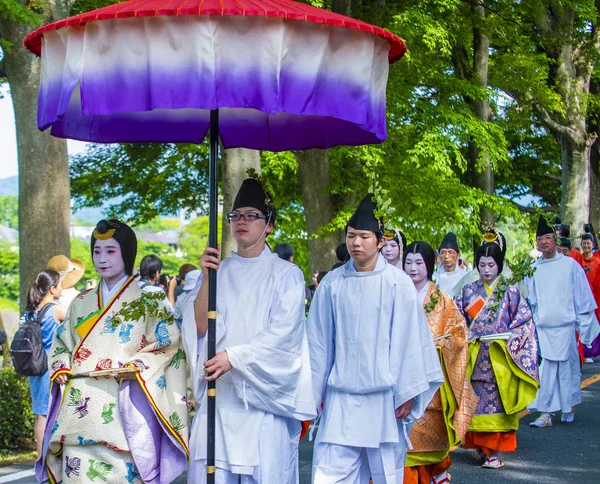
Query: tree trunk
[575,203]
[482,176]
[595,190]
[319,206]
[234,164]
[44,199]
[313,175]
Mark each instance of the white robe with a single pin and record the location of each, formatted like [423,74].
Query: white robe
[562,302]
[371,350]
[447,281]
[260,322]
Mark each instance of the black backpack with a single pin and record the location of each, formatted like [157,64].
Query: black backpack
[27,351]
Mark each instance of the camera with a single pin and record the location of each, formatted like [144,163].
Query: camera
[179,280]
[163,280]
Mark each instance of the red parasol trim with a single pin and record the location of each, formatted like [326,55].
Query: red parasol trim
[287,9]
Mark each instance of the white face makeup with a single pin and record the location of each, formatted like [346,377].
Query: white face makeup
[391,251]
[108,260]
[415,267]
[488,269]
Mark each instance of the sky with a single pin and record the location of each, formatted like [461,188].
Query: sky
[8,137]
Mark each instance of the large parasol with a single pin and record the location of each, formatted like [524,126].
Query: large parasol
[261,74]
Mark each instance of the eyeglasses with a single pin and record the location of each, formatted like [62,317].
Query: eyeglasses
[248,217]
[547,237]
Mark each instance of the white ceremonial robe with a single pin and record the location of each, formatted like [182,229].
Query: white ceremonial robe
[561,302]
[371,350]
[447,281]
[261,400]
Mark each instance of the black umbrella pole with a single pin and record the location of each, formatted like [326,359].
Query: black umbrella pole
[213,187]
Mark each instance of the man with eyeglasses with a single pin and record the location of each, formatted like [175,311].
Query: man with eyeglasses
[262,364]
[562,302]
[449,273]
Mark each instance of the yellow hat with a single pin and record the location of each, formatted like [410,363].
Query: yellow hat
[70,270]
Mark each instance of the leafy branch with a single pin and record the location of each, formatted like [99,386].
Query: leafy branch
[521,269]
[148,305]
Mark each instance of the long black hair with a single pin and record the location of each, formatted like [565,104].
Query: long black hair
[38,290]
[426,252]
[493,250]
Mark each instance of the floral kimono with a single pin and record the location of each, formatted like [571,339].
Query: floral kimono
[100,430]
[503,372]
[449,413]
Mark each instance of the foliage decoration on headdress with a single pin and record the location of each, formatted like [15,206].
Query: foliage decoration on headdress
[383,202]
[264,183]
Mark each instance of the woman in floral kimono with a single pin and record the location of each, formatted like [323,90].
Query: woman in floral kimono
[449,413]
[129,426]
[501,338]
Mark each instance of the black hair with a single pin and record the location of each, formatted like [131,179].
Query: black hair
[124,235]
[284,251]
[149,266]
[342,253]
[38,290]
[321,275]
[493,250]
[426,252]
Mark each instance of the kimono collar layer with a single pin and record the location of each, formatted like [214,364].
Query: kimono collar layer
[542,260]
[253,260]
[350,270]
[107,294]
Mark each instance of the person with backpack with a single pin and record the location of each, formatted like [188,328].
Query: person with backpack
[43,310]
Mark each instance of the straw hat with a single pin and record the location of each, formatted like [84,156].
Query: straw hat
[71,270]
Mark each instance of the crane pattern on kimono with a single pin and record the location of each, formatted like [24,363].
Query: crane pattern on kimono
[176,361]
[125,333]
[98,470]
[83,441]
[132,473]
[108,326]
[80,403]
[72,465]
[162,335]
[107,413]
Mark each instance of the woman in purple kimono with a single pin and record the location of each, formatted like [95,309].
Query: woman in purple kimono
[501,338]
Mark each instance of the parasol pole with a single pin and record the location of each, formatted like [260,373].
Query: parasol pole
[213,199]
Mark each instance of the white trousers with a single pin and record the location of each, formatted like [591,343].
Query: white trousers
[278,459]
[341,464]
[560,384]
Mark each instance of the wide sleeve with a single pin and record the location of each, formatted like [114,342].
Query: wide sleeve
[414,362]
[522,345]
[455,353]
[60,356]
[271,371]
[585,304]
[321,336]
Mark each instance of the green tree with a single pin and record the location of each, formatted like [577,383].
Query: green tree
[9,272]
[43,187]
[9,211]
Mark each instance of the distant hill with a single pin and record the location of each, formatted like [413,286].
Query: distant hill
[9,186]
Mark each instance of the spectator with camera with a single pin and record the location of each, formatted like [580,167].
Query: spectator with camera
[151,279]
[181,281]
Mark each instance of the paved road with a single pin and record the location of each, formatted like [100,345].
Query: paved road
[563,454]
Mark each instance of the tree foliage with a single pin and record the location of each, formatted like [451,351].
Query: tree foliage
[9,211]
